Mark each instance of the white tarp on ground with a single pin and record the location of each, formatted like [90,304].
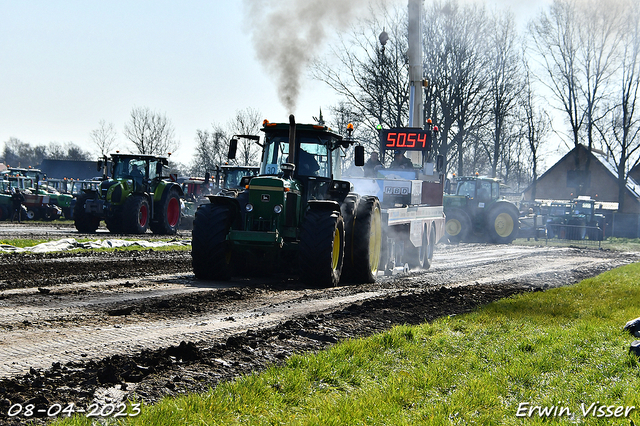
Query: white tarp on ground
[71,243]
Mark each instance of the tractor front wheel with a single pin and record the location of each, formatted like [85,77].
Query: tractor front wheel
[114,224]
[84,222]
[210,249]
[321,248]
[457,226]
[135,215]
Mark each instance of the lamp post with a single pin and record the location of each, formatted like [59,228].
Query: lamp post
[415,64]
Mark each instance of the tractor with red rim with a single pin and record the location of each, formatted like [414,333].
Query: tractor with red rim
[135,197]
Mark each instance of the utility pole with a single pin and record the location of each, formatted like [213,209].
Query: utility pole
[415,64]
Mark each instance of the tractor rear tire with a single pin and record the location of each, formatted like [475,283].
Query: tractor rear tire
[167,214]
[210,250]
[135,215]
[502,223]
[84,222]
[457,226]
[321,248]
[366,243]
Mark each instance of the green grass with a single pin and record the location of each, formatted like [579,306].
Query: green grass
[563,347]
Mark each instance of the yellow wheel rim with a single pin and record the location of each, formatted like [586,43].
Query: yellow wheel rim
[504,225]
[375,241]
[453,227]
[337,243]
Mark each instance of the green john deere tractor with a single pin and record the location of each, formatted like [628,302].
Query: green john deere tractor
[296,216]
[476,211]
[135,198]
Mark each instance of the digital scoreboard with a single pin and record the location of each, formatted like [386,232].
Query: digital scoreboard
[409,139]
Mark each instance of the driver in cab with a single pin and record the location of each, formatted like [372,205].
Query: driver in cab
[400,161]
[137,174]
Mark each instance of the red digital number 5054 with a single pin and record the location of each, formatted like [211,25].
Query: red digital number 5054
[406,138]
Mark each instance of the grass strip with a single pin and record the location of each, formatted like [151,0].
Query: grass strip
[562,349]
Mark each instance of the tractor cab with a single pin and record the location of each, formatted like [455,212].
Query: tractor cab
[303,158]
[138,169]
[480,189]
[236,177]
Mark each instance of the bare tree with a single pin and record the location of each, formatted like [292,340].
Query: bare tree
[150,132]
[555,43]
[505,82]
[621,134]
[247,122]
[455,66]
[371,78]
[211,150]
[104,137]
[66,151]
[536,127]
[600,37]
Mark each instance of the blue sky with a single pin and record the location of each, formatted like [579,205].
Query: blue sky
[67,64]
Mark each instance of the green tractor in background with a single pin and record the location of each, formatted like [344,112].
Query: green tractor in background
[55,203]
[476,211]
[295,216]
[135,198]
[576,220]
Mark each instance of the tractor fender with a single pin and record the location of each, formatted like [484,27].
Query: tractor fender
[324,205]
[163,188]
[224,201]
[504,204]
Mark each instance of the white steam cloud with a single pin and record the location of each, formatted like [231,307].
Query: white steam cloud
[286,35]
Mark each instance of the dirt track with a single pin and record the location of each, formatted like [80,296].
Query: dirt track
[103,327]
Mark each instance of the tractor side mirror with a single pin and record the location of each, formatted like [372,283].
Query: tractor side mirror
[99,165]
[207,176]
[359,155]
[158,169]
[233,148]
[439,163]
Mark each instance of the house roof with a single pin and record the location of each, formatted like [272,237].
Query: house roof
[606,161]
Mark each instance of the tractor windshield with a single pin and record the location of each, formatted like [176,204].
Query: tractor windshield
[581,207]
[232,177]
[313,156]
[124,167]
[467,188]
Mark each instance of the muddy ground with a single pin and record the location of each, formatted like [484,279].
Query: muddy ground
[104,327]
